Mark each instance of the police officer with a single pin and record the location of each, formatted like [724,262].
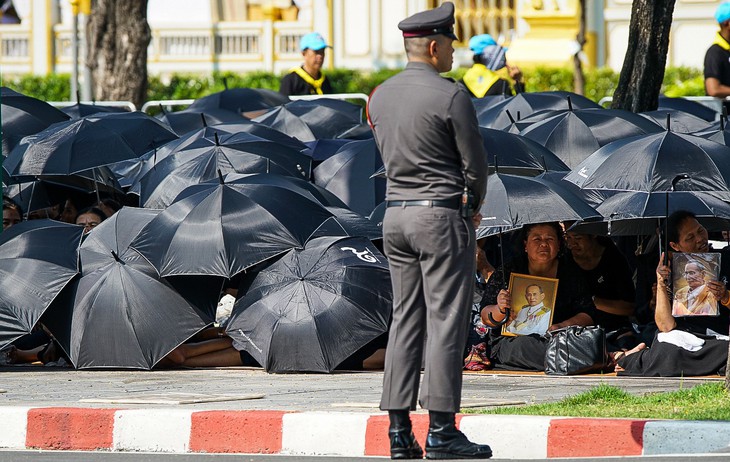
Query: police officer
[308,78]
[426,129]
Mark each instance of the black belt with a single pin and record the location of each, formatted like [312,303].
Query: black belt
[448,203]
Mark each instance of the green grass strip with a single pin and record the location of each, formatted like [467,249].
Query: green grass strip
[708,401]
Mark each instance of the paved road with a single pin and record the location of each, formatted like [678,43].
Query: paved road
[50,386]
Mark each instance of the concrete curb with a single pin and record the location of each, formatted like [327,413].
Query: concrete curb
[341,433]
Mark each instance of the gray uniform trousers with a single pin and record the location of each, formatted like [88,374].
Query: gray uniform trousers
[431,256]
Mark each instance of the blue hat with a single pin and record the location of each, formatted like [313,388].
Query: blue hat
[313,41]
[722,13]
[478,43]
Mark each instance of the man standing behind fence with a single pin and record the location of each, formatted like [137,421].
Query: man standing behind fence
[426,129]
[308,79]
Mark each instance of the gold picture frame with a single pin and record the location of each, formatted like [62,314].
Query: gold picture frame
[533,303]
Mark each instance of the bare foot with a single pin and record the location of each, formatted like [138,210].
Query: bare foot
[617,355]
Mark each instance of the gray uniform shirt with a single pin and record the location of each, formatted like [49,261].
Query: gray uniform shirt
[427,131]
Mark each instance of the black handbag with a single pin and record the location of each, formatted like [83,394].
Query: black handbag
[576,350]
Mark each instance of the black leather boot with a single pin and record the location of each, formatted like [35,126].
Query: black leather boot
[403,444]
[446,442]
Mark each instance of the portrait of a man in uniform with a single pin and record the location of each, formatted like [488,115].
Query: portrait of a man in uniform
[532,305]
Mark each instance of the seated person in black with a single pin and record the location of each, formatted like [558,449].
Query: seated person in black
[685,234]
[308,79]
[573,305]
[609,278]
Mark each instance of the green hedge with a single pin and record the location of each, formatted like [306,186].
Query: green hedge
[678,81]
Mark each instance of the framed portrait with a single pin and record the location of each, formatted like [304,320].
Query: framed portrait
[690,274]
[533,302]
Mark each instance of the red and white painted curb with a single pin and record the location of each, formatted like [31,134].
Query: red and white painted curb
[342,433]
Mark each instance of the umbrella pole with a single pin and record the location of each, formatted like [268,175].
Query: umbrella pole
[96,186]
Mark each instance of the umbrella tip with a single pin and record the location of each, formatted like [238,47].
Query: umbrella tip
[220,177]
[225,83]
[511,119]
[217,141]
[668,126]
[162,108]
[570,104]
[116,257]
[202,116]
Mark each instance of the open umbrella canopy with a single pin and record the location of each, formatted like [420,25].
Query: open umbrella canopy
[188,120]
[574,135]
[241,100]
[120,313]
[518,155]
[224,229]
[81,110]
[639,212]
[718,132]
[23,115]
[38,259]
[314,307]
[676,120]
[87,143]
[348,174]
[691,107]
[652,162]
[514,201]
[204,158]
[312,120]
[528,103]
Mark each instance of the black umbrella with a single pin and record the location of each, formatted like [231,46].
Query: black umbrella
[325,148]
[38,258]
[80,110]
[314,307]
[718,132]
[204,158]
[640,212]
[123,315]
[312,120]
[348,174]
[88,143]
[241,100]
[676,120]
[518,155]
[574,135]
[691,107]
[23,115]
[514,201]
[188,120]
[527,103]
[651,162]
[344,221]
[224,229]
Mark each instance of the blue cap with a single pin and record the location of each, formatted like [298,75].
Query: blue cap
[722,13]
[478,43]
[313,41]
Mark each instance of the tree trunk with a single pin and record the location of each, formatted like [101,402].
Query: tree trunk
[646,57]
[579,79]
[118,36]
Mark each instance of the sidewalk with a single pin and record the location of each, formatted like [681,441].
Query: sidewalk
[239,410]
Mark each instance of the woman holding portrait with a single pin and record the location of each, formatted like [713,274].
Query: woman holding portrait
[539,255]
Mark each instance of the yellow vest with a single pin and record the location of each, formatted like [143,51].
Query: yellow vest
[478,79]
[721,42]
[316,83]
